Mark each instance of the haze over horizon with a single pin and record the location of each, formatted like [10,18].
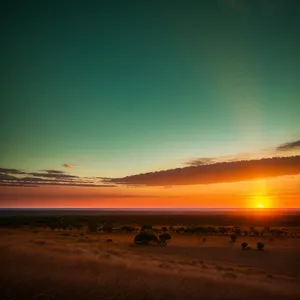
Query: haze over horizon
[159,104]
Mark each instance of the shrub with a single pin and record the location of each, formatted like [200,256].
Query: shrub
[244,246]
[236,230]
[146,238]
[128,228]
[146,227]
[233,237]
[260,246]
[77,225]
[222,230]
[92,226]
[164,238]
[107,228]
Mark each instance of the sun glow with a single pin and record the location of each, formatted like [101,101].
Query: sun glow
[261,201]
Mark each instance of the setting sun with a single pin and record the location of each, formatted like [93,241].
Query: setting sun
[261,201]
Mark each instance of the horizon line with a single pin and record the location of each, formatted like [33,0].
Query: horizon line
[151,208]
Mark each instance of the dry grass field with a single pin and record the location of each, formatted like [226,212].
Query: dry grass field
[44,264]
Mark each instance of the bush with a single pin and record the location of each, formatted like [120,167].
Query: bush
[77,225]
[92,226]
[222,230]
[260,246]
[107,229]
[236,230]
[244,246]
[164,238]
[146,238]
[233,237]
[128,228]
[146,227]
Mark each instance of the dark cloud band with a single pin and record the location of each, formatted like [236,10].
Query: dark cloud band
[289,146]
[217,172]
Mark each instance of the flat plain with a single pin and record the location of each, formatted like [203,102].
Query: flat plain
[42,263]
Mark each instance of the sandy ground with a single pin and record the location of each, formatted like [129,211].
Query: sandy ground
[52,265]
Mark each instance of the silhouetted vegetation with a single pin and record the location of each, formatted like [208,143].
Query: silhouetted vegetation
[127,228]
[146,227]
[233,237]
[92,226]
[260,246]
[164,238]
[244,245]
[146,238]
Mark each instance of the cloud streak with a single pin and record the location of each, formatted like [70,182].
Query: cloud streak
[54,175]
[216,173]
[11,171]
[295,145]
[68,166]
[17,178]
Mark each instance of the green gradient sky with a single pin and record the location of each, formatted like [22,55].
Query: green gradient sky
[135,86]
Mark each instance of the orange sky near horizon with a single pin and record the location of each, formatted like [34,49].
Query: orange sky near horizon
[282,192]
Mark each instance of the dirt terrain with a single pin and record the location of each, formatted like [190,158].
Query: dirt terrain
[45,264]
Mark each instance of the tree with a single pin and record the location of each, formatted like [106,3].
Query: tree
[78,226]
[52,226]
[145,238]
[200,230]
[181,229]
[233,237]
[222,230]
[128,228]
[236,230]
[260,246]
[107,228]
[244,246]
[146,227]
[164,237]
[92,226]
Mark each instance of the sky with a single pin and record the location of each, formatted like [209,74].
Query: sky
[95,93]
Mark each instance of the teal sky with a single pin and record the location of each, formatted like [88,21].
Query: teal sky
[122,87]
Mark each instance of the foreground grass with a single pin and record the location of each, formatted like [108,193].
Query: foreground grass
[52,266]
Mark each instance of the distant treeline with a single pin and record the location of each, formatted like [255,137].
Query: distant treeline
[78,221]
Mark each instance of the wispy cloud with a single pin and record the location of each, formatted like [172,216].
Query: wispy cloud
[213,160]
[17,185]
[283,150]
[54,171]
[68,166]
[201,161]
[53,175]
[17,178]
[11,171]
[4,176]
[295,145]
